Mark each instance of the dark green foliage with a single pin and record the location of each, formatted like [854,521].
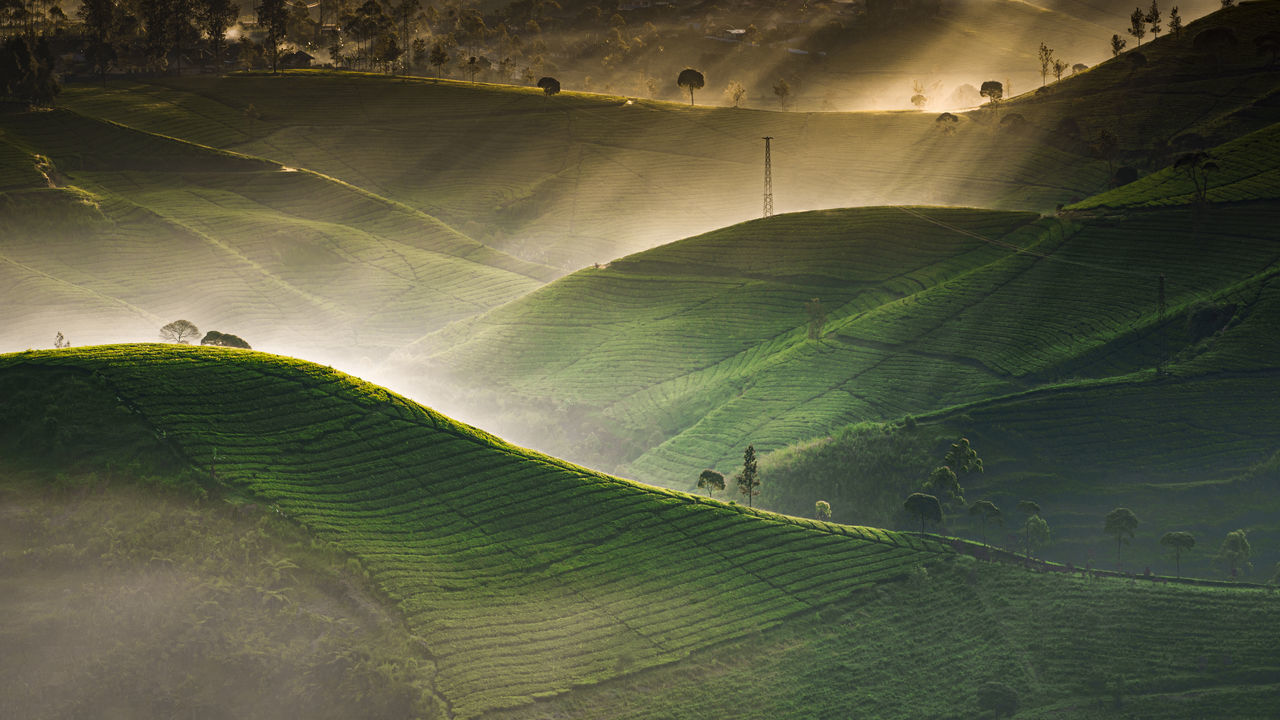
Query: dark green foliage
[692,80]
[1037,534]
[550,86]
[986,511]
[749,478]
[26,71]
[1179,542]
[997,699]
[925,507]
[710,480]
[992,89]
[1235,552]
[213,337]
[822,510]
[1121,523]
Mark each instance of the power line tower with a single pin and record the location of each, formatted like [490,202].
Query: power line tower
[768,178]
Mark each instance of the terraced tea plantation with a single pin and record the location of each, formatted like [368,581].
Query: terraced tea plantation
[523,575]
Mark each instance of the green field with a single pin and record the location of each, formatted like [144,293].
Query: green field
[529,587]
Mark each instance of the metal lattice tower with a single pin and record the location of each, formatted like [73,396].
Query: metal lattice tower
[768,179]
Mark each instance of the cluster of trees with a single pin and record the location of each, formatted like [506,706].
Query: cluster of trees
[747,480]
[1233,554]
[26,53]
[184,332]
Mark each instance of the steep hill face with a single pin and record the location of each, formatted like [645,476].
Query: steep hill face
[514,583]
[109,232]
[522,575]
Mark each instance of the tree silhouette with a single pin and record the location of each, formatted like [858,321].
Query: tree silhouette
[438,57]
[1138,25]
[734,92]
[550,86]
[782,89]
[273,16]
[1197,165]
[986,510]
[179,331]
[749,478]
[691,79]
[214,17]
[1117,44]
[946,122]
[1179,542]
[710,480]
[1121,522]
[1031,509]
[1046,62]
[1175,22]
[1153,17]
[925,507]
[992,89]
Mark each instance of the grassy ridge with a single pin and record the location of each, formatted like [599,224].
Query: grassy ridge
[280,257]
[522,574]
[723,360]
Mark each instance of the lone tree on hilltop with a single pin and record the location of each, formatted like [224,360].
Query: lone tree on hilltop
[1046,62]
[1179,542]
[992,89]
[691,79]
[1059,67]
[749,478]
[1121,522]
[710,480]
[273,16]
[986,510]
[550,86]
[1175,22]
[1138,25]
[822,510]
[1235,552]
[179,331]
[1117,45]
[60,341]
[925,507]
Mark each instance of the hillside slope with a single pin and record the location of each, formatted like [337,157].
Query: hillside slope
[524,581]
[523,575]
[109,233]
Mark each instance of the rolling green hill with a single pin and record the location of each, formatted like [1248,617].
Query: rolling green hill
[110,232]
[523,575]
[525,583]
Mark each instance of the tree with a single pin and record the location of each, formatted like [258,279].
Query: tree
[734,92]
[925,507]
[60,341]
[1106,146]
[691,79]
[710,480]
[944,481]
[1046,62]
[214,17]
[946,122]
[749,478]
[1179,542]
[1059,67]
[213,337]
[822,510]
[1197,165]
[1228,3]
[1117,44]
[1153,17]
[1175,22]
[1235,552]
[817,317]
[918,98]
[1030,508]
[26,70]
[782,89]
[1078,68]
[439,57]
[179,331]
[550,86]
[273,16]
[1121,522]
[985,510]
[406,13]
[99,18]
[992,89]
[1138,25]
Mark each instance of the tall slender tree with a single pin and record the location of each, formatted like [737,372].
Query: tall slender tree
[1121,522]
[749,478]
[691,79]
[99,18]
[1153,18]
[1138,25]
[214,17]
[1046,62]
[1179,542]
[273,16]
